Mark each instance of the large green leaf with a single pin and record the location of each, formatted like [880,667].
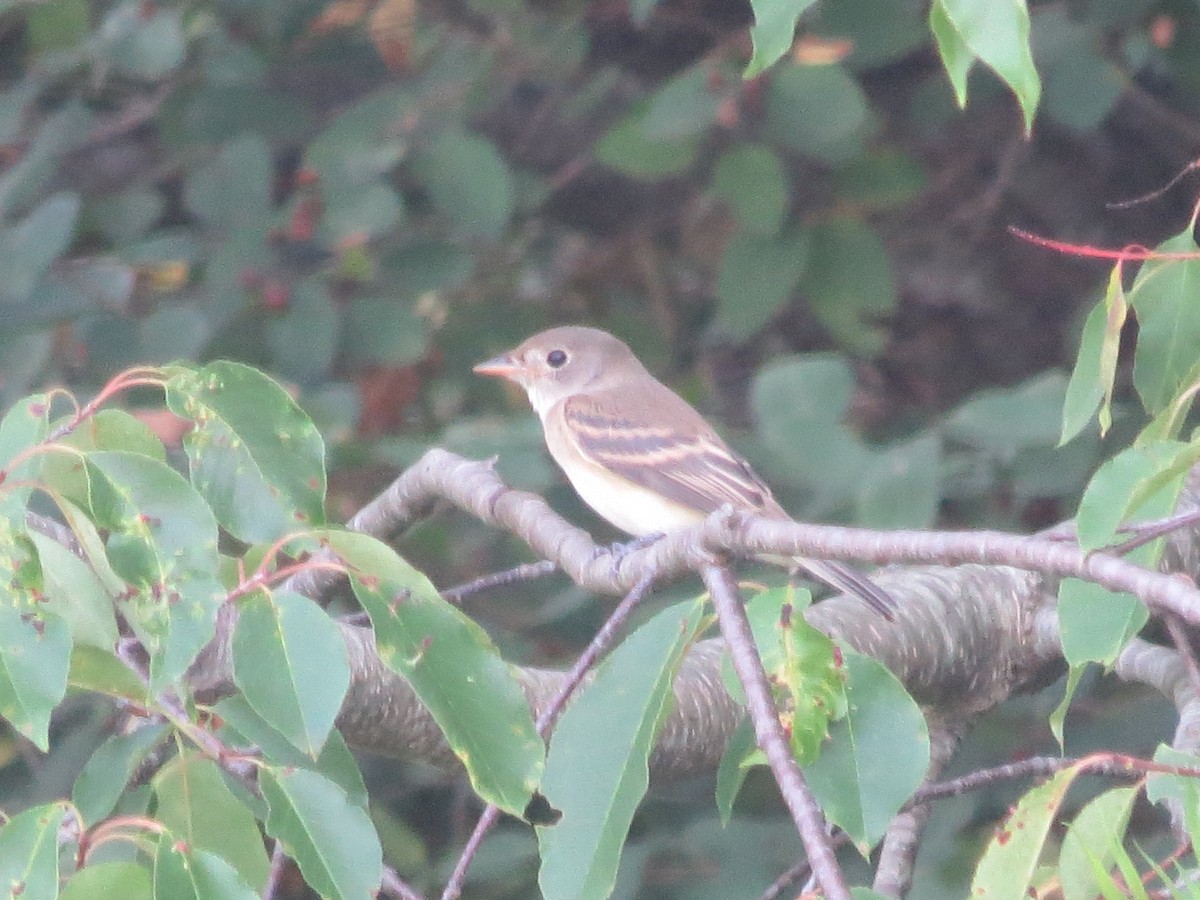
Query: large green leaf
[1163,297]
[127,880]
[35,655]
[331,839]
[1092,841]
[876,756]
[28,248]
[254,455]
[773,30]
[183,872]
[453,667]
[750,178]
[849,282]
[608,732]
[29,853]
[76,593]
[195,803]
[468,181]
[757,277]
[107,772]
[290,663]
[162,540]
[818,110]
[997,34]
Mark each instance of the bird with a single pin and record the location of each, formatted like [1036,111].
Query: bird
[636,452]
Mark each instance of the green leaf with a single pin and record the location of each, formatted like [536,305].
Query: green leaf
[304,341]
[127,880]
[818,110]
[453,667]
[1012,855]
[380,330]
[849,283]
[997,34]
[183,872]
[1163,298]
[76,594]
[902,486]
[751,180]
[28,248]
[468,181]
[685,107]
[336,762]
[29,852]
[35,653]
[1005,420]
[626,148]
[1092,379]
[163,540]
[290,663]
[957,57]
[331,839]
[23,427]
[1138,483]
[757,277]
[1093,840]
[107,772]
[621,711]
[876,756]
[141,43]
[1095,624]
[102,672]
[253,453]
[195,803]
[734,766]
[773,31]
[234,188]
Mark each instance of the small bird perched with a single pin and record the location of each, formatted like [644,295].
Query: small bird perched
[637,452]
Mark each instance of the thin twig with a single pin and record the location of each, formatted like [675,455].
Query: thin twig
[393,885]
[799,871]
[523,572]
[600,644]
[735,628]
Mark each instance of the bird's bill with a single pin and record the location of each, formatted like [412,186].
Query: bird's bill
[499,367]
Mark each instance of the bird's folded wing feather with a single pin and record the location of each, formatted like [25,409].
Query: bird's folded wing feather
[692,467]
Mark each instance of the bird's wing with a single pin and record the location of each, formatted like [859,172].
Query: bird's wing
[689,465]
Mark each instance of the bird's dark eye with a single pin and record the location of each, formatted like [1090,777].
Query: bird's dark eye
[556,358]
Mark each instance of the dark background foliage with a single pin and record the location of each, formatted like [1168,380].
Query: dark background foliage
[364,199]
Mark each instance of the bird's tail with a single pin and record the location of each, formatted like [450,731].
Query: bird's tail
[842,578]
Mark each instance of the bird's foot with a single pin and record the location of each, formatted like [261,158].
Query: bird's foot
[621,549]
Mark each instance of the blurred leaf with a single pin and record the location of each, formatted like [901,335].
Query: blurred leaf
[1081,86]
[28,248]
[1095,624]
[101,672]
[881,32]
[1092,379]
[799,402]
[876,756]
[627,148]
[750,179]
[331,839]
[107,772]
[378,330]
[211,111]
[1005,420]
[29,852]
[468,181]
[362,143]
[194,802]
[428,265]
[290,664]
[622,710]
[849,282]
[304,340]
[1168,322]
[757,277]
[819,111]
[173,332]
[995,33]
[183,872]
[773,31]
[1093,839]
[144,44]
[880,179]
[453,667]
[22,182]
[234,188]
[361,213]
[1012,855]
[24,426]
[57,25]
[253,454]
[685,107]
[902,487]
[127,880]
